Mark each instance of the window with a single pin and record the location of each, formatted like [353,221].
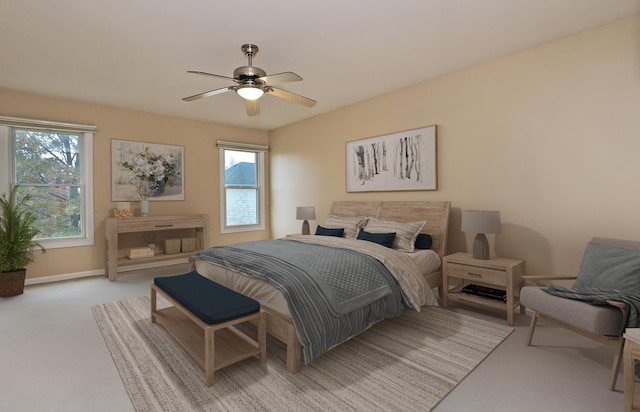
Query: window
[53,163]
[242,187]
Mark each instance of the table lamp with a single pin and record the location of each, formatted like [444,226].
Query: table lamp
[305,213]
[481,222]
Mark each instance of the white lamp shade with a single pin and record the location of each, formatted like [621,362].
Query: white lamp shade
[250,92]
[481,221]
[305,213]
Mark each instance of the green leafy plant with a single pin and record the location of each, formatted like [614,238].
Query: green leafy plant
[17,232]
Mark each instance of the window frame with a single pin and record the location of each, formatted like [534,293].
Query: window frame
[260,151]
[7,174]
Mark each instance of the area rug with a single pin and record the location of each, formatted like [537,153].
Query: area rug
[408,363]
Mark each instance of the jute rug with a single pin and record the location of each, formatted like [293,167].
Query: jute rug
[403,364]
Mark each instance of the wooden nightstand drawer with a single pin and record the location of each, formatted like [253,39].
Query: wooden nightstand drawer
[476,273]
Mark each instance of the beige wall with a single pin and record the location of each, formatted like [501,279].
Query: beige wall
[201,168]
[549,136]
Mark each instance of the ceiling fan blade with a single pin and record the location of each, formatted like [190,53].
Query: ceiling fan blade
[280,78]
[209,93]
[210,74]
[296,98]
[253,107]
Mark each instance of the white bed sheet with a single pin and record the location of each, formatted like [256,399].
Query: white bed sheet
[427,260]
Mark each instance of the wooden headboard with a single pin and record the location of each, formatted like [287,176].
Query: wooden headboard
[435,213]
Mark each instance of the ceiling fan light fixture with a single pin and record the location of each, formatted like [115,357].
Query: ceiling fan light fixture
[250,92]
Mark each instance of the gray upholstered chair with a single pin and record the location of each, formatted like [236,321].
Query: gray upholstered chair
[604,323]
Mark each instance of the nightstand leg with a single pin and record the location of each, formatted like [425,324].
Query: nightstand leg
[445,286]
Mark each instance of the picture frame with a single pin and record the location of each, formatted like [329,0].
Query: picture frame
[398,161]
[156,158]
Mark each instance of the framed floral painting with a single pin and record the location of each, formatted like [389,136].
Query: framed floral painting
[146,171]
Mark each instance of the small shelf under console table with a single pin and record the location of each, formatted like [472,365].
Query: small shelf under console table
[123,234]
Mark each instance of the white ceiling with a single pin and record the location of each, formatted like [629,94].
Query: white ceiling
[136,53]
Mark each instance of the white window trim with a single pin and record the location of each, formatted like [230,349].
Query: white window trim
[260,167]
[6,179]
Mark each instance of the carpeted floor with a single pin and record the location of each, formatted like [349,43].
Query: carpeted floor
[408,363]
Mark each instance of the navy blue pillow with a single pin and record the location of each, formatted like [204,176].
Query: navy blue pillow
[384,239]
[423,241]
[323,231]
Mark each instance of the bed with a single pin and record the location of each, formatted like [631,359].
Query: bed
[281,319]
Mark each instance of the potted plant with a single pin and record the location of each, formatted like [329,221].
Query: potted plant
[17,245]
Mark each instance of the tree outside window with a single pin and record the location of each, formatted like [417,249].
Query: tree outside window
[48,167]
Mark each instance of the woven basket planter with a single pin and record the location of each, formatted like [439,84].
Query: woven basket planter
[12,283]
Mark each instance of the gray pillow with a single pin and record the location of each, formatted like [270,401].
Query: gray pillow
[610,268]
[351,225]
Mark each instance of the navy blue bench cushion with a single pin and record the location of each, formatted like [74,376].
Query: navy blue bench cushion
[211,302]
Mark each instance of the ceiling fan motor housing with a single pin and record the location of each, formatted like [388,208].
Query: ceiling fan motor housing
[248,73]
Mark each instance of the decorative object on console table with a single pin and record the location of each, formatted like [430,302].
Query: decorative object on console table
[494,273]
[188,244]
[144,207]
[481,222]
[305,213]
[171,246]
[140,252]
[123,210]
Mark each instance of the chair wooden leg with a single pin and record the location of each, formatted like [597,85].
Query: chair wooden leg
[617,359]
[532,327]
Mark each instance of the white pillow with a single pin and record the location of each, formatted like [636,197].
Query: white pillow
[406,232]
[349,224]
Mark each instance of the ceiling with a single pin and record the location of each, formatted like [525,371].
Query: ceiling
[136,53]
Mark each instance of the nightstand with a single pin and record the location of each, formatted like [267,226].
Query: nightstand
[497,273]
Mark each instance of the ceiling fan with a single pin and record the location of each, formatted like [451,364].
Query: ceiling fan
[253,82]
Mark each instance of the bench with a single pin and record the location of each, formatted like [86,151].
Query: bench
[203,318]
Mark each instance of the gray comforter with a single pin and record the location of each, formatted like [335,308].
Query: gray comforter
[332,293]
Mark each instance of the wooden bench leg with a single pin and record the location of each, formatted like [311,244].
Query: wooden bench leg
[209,351]
[262,336]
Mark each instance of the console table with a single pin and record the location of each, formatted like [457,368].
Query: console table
[164,226]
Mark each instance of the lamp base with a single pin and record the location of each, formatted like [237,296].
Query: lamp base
[305,227]
[481,247]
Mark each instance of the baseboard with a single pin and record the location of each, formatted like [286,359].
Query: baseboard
[66,276]
[100,272]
